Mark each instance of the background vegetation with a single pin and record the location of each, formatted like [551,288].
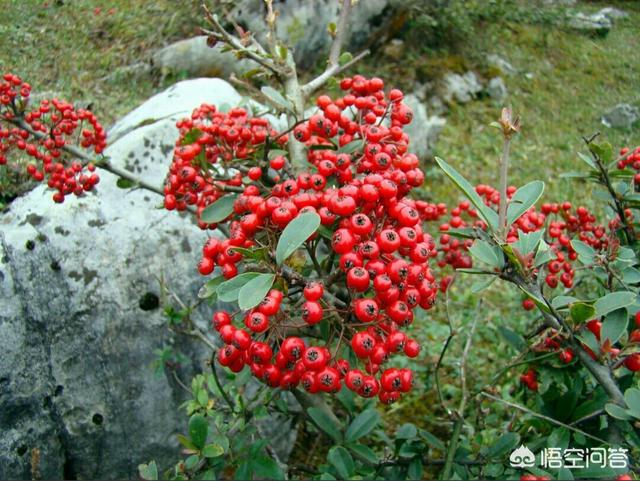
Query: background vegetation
[83,50]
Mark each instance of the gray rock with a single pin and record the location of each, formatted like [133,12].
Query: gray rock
[461,88]
[303,24]
[622,116]
[613,13]
[597,23]
[195,58]
[496,89]
[502,64]
[80,319]
[424,130]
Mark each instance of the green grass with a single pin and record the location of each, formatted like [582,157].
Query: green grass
[575,78]
[65,47]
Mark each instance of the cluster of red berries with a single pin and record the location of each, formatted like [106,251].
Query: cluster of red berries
[378,253]
[210,143]
[530,379]
[55,124]
[631,159]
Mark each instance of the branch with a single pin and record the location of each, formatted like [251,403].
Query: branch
[546,418]
[80,154]
[221,34]
[333,70]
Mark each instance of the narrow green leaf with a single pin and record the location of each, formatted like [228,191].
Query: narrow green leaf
[210,287]
[198,430]
[586,253]
[362,425]
[351,147]
[431,440]
[415,470]
[266,468]
[488,214]
[562,302]
[212,451]
[588,160]
[125,183]
[254,291]
[632,400]
[276,97]
[614,325]
[523,199]
[617,412]
[342,461]
[295,234]
[528,242]
[581,312]
[273,153]
[504,444]
[544,254]
[219,210]
[228,291]
[326,423]
[613,301]
[363,452]
[487,253]
[514,339]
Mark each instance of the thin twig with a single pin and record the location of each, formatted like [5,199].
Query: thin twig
[546,418]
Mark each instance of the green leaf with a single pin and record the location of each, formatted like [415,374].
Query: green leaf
[198,430]
[505,443]
[617,412]
[342,461]
[125,183]
[254,291]
[148,472]
[431,440]
[345,57]
[191,137]
[561,302]
[219,210]
[295,234]
[210,287]
[603,150]
[632,399]
[415,470]
[588,160]
[273,153]
[244,470]
[523,199]
[203,397]
[362,425]
[191,462]
[267,468]
[406,431]
[544,254]
[212,451]
[276,97]
[514,339]
[487,253]
[257,253]
[586,253]
[614,325]
[589,339]
[351,147]
[559,438]
[528,243]
[228,291]
[613,301]
[326,423]
[364,452]
[488,214]
[581,311]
